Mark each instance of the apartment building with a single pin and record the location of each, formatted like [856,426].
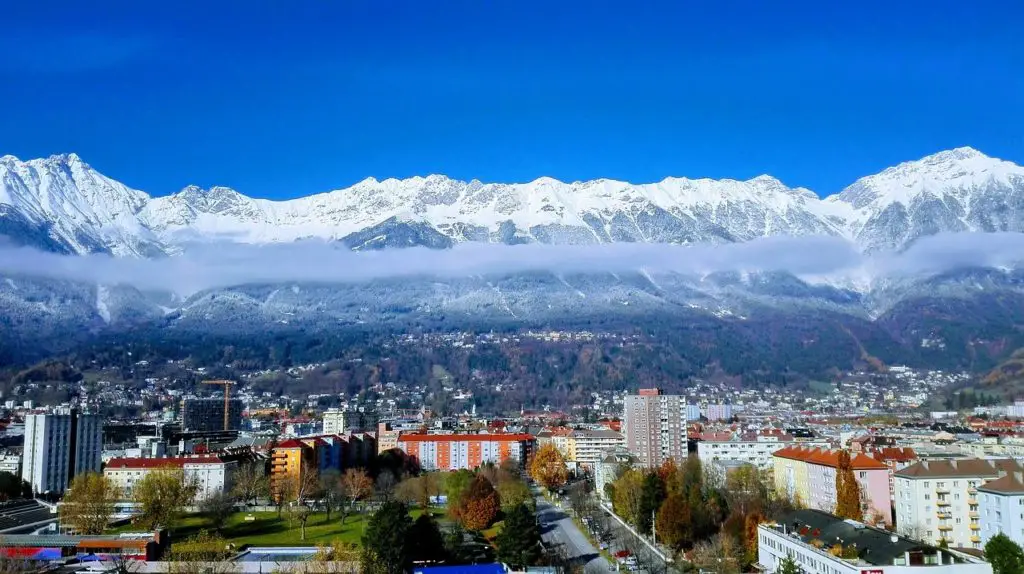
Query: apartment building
[59,447]
[938,499]
[590,446]
[213,474]
[293,458]
[808,537]
[465,451]
[750,448]
[289,461]
[654,425]
[808,475]
[1002,507]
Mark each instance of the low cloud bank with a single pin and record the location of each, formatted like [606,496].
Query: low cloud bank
[222,265]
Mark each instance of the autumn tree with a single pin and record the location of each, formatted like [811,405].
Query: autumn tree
[162,496]
[480,505]
[721,554]
[548,467]
[89,503]
[356,485]
[300,493]
[419,490]
[202,552]
[847,490]
[627,495]
[673,523]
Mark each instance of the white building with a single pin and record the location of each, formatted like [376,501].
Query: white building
[607,470]
[937,500]
[589,446]
[718,412]
[1002,507]
[213,474]
[59,447]
[808,535]
[751,449]
[334,421]
[11,463]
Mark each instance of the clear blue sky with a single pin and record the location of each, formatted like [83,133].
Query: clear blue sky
[280,99]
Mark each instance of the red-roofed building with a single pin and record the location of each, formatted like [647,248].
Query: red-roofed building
[465,451]
[808,475]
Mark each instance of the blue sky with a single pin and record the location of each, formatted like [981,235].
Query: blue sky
[281,99]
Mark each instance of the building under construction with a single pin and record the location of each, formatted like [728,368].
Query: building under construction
[205,415]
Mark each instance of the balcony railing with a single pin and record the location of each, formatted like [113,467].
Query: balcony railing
[943,503]
[945,527]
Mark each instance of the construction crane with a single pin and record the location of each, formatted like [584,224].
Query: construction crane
[227,399]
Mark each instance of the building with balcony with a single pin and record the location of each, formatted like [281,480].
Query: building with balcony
[814,538]
[937,500]
[1001,508]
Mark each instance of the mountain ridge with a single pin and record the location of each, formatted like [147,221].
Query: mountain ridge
[84,211]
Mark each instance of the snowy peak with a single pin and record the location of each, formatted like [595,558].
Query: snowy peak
[65,200]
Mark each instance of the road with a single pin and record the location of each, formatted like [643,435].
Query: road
[558,529]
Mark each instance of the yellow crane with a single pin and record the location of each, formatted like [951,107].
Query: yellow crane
[227,398]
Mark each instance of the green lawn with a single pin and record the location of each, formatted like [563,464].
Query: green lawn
[269,530]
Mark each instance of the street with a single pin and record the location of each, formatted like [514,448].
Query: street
[558,530]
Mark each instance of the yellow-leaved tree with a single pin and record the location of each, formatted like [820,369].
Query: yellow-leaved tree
[548,467]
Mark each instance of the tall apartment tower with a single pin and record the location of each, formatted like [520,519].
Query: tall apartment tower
[655,426]
[59,447]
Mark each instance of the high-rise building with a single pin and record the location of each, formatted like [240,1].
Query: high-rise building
[59,447]
[354,419]
[655,426]
[718,412]
[207,415]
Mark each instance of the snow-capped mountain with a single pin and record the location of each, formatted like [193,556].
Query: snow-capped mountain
[62,204]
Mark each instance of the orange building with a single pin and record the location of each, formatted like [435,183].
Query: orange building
[287,463]
[468,451]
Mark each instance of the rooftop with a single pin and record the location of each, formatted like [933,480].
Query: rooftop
[960,468]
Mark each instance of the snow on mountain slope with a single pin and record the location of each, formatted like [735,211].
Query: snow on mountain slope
[60,203]
[546,210]
[80,208]
[955,190]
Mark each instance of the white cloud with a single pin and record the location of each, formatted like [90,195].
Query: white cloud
[221,265]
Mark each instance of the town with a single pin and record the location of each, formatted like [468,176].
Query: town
[858,476]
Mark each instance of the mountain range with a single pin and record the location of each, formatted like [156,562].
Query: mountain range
[968,317]
[62,204]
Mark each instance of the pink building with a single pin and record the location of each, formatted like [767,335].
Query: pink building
[819,491]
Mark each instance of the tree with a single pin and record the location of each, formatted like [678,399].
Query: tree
[203,552]
[300,492]
[627,495]
[419,489]
[162,495]
[426,542]
[89,503]
[651,495]
[788,566]
[251,483]
[385,485]
[479,506]
[12,486]
[1005,555]
[356,485]
[217,508]
[331,491]
[721,555]
[456,484]
[746,490]
[518,543]
[673,523]
[847,490]
[513,493]
[548,467]
[386,541]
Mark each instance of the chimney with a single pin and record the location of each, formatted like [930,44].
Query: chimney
[954,462]
[894,538]
[924,463]
[1018,476]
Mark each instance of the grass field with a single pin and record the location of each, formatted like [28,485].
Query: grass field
[268,530]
